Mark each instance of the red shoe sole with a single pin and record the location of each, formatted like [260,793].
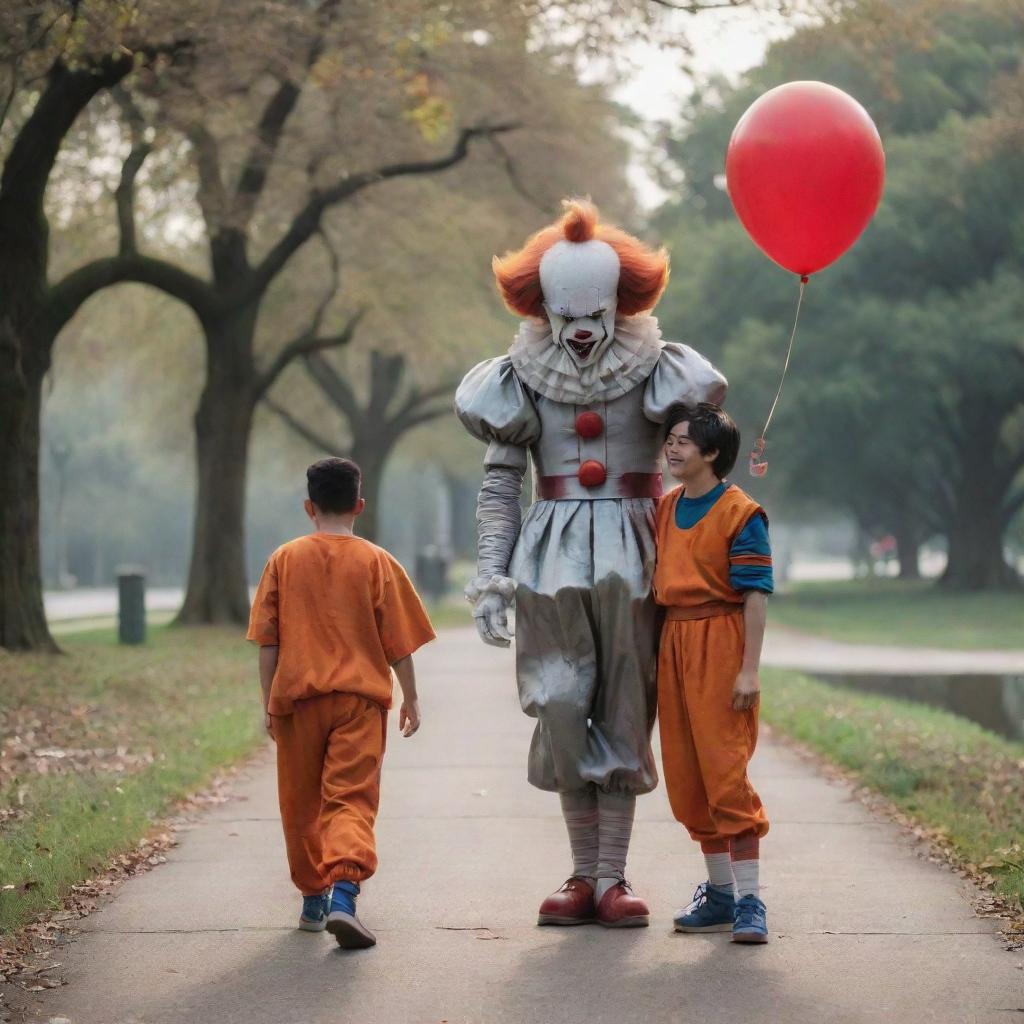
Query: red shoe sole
[564,922]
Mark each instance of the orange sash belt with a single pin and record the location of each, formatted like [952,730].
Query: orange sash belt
[702,611]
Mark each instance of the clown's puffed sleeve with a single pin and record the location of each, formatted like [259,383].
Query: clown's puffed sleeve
[681,375]
[494,407]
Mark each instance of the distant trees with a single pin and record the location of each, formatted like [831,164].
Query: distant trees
[372,425]
[272,137]
[905,403]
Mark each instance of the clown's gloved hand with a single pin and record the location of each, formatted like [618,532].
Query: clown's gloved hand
[491,598]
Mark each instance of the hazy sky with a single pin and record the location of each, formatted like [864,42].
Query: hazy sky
[724,42]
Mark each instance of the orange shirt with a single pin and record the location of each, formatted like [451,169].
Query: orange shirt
[694,564]
[342,611]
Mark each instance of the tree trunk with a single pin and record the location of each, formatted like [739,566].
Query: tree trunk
[976,559]
[22,619]
[908,549]
[217,590]
[977,524]
[27,333]
[370,455]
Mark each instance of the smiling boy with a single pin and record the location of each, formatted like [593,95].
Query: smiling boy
[713,576]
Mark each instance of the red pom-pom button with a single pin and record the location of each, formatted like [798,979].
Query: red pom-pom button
[592,473]
[589,425]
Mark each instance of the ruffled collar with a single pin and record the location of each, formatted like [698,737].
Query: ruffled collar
[544,367]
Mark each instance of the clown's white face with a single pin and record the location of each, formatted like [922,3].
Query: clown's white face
[579,281]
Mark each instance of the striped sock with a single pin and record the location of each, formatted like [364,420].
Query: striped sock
[719,863]
[579,809]
[745,852]
[615,827]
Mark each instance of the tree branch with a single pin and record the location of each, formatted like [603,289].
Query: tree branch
[66,94]
[67,296]
[405,423]
[140,149]
[315,439]
[512,172]
[444,390]
[307,220]
[697,8]
[306,344]
[335,387]
[211,195]
[253,175]
[386,372]
[5,107]
[31,158]
[332,290]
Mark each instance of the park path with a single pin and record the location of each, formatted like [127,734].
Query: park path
[73,611]
[862,929]
[790,648]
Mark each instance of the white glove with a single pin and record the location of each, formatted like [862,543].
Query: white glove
[492,598]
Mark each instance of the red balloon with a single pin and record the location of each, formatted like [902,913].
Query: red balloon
[805,170]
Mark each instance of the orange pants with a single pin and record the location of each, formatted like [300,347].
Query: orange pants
[329,755]
[706,745]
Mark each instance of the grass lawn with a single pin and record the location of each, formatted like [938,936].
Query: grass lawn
[98,743]
[913,614]
[956,779]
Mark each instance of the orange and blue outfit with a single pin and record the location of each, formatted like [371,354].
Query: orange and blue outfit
[711,550]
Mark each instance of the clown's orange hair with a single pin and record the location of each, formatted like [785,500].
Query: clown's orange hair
[643,272]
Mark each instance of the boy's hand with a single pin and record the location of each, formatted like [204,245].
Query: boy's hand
[268,724]
[746,691]
[409,717]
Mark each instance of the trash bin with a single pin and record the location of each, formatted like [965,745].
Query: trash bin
[432,572]
[131,604]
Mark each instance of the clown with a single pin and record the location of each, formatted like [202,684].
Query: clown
[583,389]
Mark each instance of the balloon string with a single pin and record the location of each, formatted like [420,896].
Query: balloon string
[789,352]
[758,464]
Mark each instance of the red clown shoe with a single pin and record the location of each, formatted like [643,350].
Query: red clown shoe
[572,904]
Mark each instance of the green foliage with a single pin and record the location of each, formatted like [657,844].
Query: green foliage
[964,785]
[905,397]
[899,612]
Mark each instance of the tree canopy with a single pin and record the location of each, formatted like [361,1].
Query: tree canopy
[905,401]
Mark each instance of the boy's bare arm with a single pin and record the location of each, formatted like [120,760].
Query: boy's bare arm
[268,666]
[409,715]
[747,690]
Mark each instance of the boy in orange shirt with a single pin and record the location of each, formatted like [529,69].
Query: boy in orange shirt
[333,615]
[713,575]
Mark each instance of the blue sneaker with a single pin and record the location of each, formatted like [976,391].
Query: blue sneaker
[314,912]
[342,922]
[712,910]
[751,924]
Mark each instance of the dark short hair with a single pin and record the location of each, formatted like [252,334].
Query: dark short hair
[333,485]
[711,429]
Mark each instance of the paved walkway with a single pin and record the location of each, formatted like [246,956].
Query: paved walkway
[788,648]
[101,602]
[862,930]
